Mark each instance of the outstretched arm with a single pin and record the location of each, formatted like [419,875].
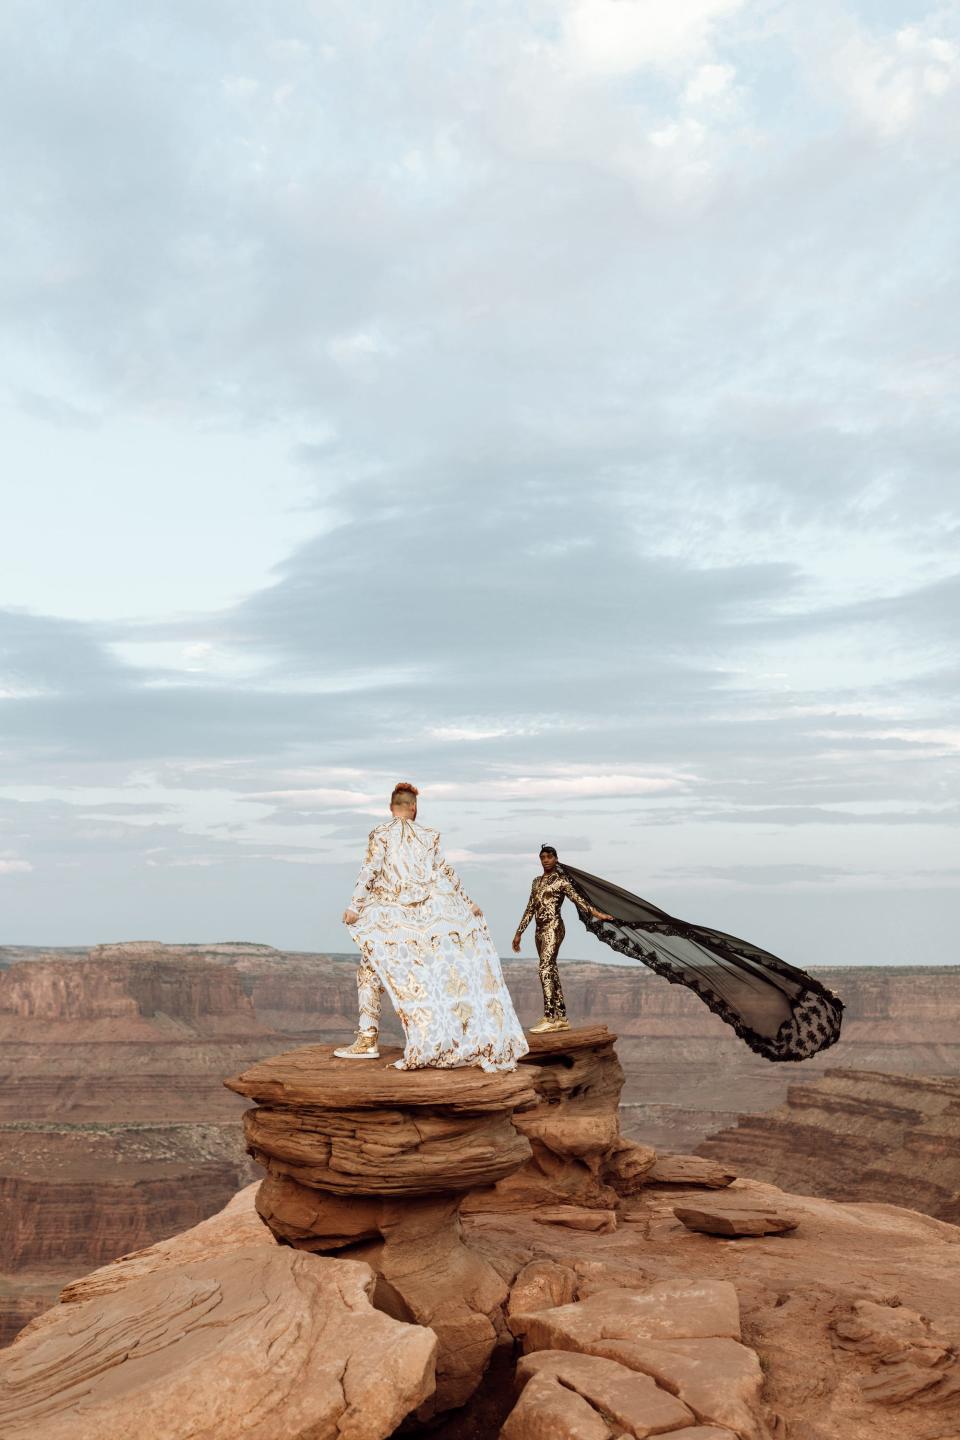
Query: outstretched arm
[449,879]
[525,918]
[369,870]
[580,900]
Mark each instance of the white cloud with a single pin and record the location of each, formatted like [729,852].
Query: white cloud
[11,866]
[615,37]
[891,82]
[709,82]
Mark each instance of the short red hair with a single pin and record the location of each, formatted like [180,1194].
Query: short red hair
[403,787]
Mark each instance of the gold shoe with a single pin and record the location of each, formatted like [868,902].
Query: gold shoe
[363,1048]
[546,1026]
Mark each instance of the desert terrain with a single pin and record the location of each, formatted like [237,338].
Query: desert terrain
[117,1130]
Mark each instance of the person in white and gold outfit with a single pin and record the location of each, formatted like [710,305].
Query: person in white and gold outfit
[424,941]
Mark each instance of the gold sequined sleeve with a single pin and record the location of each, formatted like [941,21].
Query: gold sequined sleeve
[577,896]
[527,915]
[448,877]
[369,870]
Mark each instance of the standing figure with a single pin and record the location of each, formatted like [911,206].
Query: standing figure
[547,894]
[424,941]
[779,1010]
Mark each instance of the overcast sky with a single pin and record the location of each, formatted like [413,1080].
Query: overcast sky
[551,403]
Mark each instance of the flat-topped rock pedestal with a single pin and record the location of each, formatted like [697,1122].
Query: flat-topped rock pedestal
[376,1162]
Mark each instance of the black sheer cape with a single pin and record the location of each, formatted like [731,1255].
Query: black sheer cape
[781,1012]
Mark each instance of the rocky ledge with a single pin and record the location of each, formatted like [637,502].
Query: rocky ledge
[363,1157]
[460,1254]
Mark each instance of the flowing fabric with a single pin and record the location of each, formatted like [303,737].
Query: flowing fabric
[780,1011]
[434,957]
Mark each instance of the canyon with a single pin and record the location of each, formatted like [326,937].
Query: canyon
[464,1256]
[116,1129]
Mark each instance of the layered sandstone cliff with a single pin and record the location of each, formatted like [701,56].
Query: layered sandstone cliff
[117,1054]
[857,1135]
[416,1285]
[115,1129]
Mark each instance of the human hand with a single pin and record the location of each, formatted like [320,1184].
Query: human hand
[476,909]
[601,916]
[350,917]
[516,944]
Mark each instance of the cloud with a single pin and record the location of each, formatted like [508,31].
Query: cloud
[614,37]
[612,347]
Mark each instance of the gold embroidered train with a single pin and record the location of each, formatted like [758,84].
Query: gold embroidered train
[422,940]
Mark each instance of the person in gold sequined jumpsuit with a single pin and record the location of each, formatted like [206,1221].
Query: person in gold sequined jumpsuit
[547,894]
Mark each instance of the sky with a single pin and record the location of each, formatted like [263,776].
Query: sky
[553,403]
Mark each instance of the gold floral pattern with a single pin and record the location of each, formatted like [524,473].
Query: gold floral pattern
[420,941]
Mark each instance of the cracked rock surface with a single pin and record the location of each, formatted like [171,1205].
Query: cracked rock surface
[267,1343]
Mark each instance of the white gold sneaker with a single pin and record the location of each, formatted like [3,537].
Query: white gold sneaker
[363,1048]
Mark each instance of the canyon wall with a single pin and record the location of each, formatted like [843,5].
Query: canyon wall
[117,1129]
[857,1135]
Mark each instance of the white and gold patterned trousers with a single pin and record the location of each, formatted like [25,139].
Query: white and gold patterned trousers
[369,996]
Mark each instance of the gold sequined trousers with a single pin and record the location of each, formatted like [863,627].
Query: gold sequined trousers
[369,996]
[548,935]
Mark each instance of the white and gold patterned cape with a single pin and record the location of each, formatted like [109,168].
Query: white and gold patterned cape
[434,957]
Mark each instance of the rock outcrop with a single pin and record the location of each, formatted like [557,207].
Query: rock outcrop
[115,1129]
[644,1362]
[116,1048]
[133,999]
[267,1342]
[832,1367]
[857,1135]
[236,1227]
[380,1161]
[629,1323]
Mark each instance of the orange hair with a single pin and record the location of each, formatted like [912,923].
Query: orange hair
[403,787]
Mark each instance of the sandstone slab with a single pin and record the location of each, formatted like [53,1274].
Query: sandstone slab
[547,1410]
[668,1310]
[540,1285]
[627,1165]
[689,1170]
[912,1359]
[234,1227]
[426,1273]
[265,1342]
[632,1403]
[578,1217]
[401,1151]
[719,1379]
[704,1432]
[732,1218]
[311,1077]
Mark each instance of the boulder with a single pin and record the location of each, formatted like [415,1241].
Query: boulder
[687,1170]
[730,1217]
[234,1227]
[425,1272]
[683,1337]
[627,1165]
[720,1379]
[912,1359]
[378,1160]
[547,1410]
[266,1342]
[540,1285]
[631,1403]
[669,1310]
